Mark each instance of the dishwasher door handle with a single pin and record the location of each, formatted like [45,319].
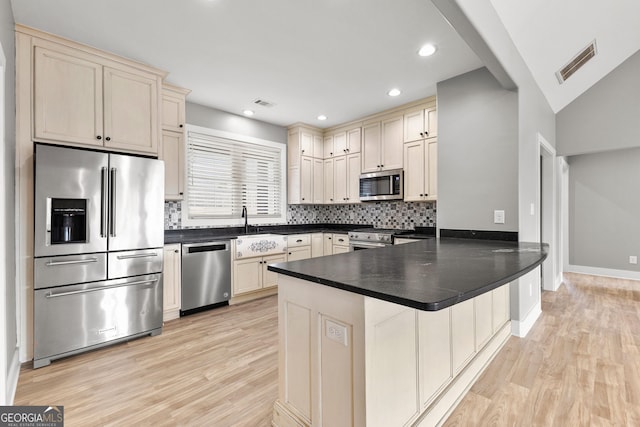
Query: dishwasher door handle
[206,247]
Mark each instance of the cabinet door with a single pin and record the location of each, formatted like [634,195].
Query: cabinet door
[434,342]
[130,111]
[296,254]
[318,147]
[414,126]
[339,249]
[293,185]
[328,244]
[269,278]
[173,112]
[431,185]
[67,98]
[354,140]
[462,334]
[340,143]
[483,318]
[247,275]
[328,147]
[173,156]
[317,245]
[392,141]
[340,179]
[431,122]
[414,173]
[318,181]
[353,178]
[328,181]
[306,180]
[500,307]
[306,144]
[371,148]
[171,281]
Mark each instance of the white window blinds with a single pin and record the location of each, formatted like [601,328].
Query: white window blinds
[225,174]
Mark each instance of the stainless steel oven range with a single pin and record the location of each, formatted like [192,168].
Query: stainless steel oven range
[368,238]
[98,237]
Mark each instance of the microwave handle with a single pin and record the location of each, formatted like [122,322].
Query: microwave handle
[390,184]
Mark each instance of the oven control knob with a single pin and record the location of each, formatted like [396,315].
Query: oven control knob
[368,237]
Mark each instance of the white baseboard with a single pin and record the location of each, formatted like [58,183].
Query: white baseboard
[558,282]
[13,372]
[521,328]
[606,272]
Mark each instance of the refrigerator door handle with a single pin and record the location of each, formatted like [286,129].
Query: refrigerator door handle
[105,203]
[112,221]
[101,288]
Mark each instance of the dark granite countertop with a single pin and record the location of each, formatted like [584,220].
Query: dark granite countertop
[430,275]
[196,235]
[418,233]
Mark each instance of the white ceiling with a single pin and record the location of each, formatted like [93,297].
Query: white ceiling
[549,33]
[309,57]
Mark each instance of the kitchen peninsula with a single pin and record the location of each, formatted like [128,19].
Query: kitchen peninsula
[392,336]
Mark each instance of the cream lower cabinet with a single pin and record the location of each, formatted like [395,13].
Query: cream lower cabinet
[81,98]
[251,274]
[350,360]
[317,245]
[171,279]
[421,170]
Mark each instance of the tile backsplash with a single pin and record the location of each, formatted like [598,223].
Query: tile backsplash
[392,214]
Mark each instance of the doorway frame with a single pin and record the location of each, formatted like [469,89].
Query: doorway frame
[547,226]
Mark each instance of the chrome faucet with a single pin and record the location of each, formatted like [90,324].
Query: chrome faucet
[246,219]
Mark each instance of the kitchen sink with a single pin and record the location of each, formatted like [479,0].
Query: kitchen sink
[253,245]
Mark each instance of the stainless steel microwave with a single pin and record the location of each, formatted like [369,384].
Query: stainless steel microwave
[385,185]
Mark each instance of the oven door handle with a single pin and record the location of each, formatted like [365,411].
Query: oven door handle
[366,245]
[100,288]
[74,261]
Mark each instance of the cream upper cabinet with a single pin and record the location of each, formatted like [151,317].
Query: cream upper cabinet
[318,181]
[371,150]
[80,98]
[172,144]
[306,144]
[420,124]
[354,140]
[346,181]
[340,144]
[173,155]
[173,107]
[339,179]
[306,180]
[318,146]
[382,145]
[67,97]
[420,170]
[328,175]
[328,147]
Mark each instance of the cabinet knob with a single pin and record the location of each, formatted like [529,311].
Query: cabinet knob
[299,241]
[302,151]
[176,251]
[108,138]
[331,200]
[303,198]
[289,253]
[181,193]
[421,195]
[98,137]
[329,238]
[381,166]
[331,153]
[426,133]
[181,125]
[421,134]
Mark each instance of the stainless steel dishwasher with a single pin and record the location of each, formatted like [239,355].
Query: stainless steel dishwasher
[206,276]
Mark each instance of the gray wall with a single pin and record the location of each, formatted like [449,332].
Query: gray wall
[606,117]
[477,153]
[7,39]
[208,117]
[604,209]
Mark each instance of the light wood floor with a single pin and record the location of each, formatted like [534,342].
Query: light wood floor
[579,366]
[215,368]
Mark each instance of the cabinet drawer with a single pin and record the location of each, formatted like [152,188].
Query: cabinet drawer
[134,263]
[341,239]
[298,240]
[69,269]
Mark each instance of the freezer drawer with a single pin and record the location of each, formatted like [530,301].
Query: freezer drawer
[70,269]
[64,324]
[135,263]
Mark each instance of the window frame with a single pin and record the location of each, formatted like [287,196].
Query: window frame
[187,221]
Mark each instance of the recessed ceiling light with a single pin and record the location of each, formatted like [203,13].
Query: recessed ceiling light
[322,117]
[394,92]
[427,50]
[248,112]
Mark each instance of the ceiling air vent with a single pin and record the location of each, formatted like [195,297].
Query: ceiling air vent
[578,61]
[263,103]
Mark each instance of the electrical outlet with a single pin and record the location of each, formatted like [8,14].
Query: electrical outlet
[336,332]
[633,259]
[498,217]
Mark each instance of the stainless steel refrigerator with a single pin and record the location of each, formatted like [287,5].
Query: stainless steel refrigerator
[98,237]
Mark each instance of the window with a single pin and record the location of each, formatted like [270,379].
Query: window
[226,172]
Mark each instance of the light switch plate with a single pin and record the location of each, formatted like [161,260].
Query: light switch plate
[498,217]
